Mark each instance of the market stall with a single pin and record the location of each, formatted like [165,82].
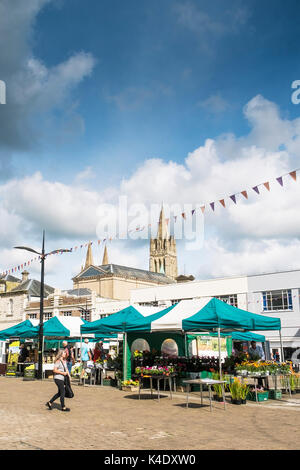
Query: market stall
[156,339]
[172,325]
[124,321]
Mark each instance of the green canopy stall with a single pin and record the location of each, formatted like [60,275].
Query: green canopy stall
[25,329]
[124,321]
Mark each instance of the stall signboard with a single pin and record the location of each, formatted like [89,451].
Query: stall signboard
[208,346]
[29,372]
[13,355]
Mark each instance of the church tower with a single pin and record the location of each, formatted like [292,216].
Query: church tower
[163,255]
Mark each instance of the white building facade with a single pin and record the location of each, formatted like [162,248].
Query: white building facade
[273,294]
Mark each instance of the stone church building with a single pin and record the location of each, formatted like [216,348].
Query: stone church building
[115,282]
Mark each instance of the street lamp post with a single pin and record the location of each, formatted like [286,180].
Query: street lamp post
[42,256]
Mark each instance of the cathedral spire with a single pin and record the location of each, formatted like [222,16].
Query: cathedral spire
[162,232]
[105,257]
[89,256]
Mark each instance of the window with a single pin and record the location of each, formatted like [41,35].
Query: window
[32,316]
[169,348]
[176,301]
[10,307]
[67,314]
[140,344]
[277,300]
[86,315]
[229,299]
[47,316]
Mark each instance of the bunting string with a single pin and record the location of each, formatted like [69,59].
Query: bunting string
[203,207]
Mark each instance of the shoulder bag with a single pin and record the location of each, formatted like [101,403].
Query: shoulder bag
[68,389]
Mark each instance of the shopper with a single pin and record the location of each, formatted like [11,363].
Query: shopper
[60,372]
[99,352]
[69,355]
[85,356]
[23,355]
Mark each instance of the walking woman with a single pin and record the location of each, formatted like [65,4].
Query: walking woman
[60,372]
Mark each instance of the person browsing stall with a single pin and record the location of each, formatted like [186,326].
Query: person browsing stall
[85,356]
[256,351]
[69,355]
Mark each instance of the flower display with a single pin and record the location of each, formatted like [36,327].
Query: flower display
[264,367]
[130,383]
[155,370]
[138,354]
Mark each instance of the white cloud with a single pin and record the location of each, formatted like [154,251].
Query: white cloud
[33,88]
[255,235]
[201,23]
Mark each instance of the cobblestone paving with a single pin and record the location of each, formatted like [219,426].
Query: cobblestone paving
[106,418]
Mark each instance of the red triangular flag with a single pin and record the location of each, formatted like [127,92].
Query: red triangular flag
[203,209]
[267,185]
[244,193]
[293,174]
[222,202]
[183,215]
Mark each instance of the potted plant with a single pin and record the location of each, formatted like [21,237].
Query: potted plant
[218,396]
[119,377]
[235,390]
[297,382]
[130,385]
[244,392]
[292,379]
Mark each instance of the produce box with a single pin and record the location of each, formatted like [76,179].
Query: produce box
[261,396]
[275,394]
[109,382]
[130,388]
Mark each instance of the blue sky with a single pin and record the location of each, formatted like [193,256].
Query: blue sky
[155,71]
[97,89]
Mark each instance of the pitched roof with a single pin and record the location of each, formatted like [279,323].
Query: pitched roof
[9,278]
[125,272]
[33,288]
[81,292]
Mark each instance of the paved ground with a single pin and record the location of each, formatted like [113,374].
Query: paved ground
[106,418]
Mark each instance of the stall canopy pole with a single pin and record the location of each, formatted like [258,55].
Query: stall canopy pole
[41,324]
[125,356]
[219,344]
[281,346]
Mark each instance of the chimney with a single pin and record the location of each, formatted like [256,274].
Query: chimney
[25,275]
